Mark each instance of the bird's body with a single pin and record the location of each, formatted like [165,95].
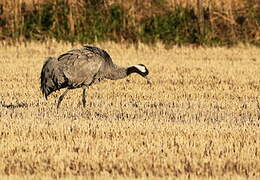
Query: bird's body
[81,68]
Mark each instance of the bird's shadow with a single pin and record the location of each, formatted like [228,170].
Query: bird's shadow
[14,106]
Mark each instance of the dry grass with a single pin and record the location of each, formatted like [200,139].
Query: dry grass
[216,21]
[138,9]
[199,120]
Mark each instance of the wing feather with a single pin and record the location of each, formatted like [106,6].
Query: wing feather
[80,67]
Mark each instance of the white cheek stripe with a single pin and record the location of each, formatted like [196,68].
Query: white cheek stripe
[141,68]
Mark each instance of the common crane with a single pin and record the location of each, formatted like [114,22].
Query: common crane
[81,68]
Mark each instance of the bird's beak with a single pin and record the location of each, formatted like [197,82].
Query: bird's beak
[148,80]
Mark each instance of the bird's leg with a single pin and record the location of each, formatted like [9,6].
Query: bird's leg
[61,98]
[84,97]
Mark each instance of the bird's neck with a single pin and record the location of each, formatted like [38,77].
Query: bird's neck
[118,72]
[132,69]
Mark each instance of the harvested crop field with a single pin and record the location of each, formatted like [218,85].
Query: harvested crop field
[200,119]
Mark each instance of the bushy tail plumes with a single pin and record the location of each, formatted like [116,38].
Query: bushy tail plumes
[47,77]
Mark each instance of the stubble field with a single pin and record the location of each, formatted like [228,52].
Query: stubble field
[200,119]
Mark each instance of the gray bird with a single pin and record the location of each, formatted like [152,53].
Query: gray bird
[81,68]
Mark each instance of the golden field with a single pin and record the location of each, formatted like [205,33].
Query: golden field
[200,119]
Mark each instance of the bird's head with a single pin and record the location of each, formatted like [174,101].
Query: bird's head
[139,69]
[142,70]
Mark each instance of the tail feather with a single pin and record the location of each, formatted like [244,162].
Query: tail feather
[47,77]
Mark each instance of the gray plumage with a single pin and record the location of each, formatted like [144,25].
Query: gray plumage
[81,68]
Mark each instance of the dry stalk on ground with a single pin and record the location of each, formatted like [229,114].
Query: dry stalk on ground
[200,119]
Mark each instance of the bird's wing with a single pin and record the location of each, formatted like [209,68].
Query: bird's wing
[80,67]
[105,56]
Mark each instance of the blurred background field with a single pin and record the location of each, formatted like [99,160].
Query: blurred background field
[207,22]
[199,120]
